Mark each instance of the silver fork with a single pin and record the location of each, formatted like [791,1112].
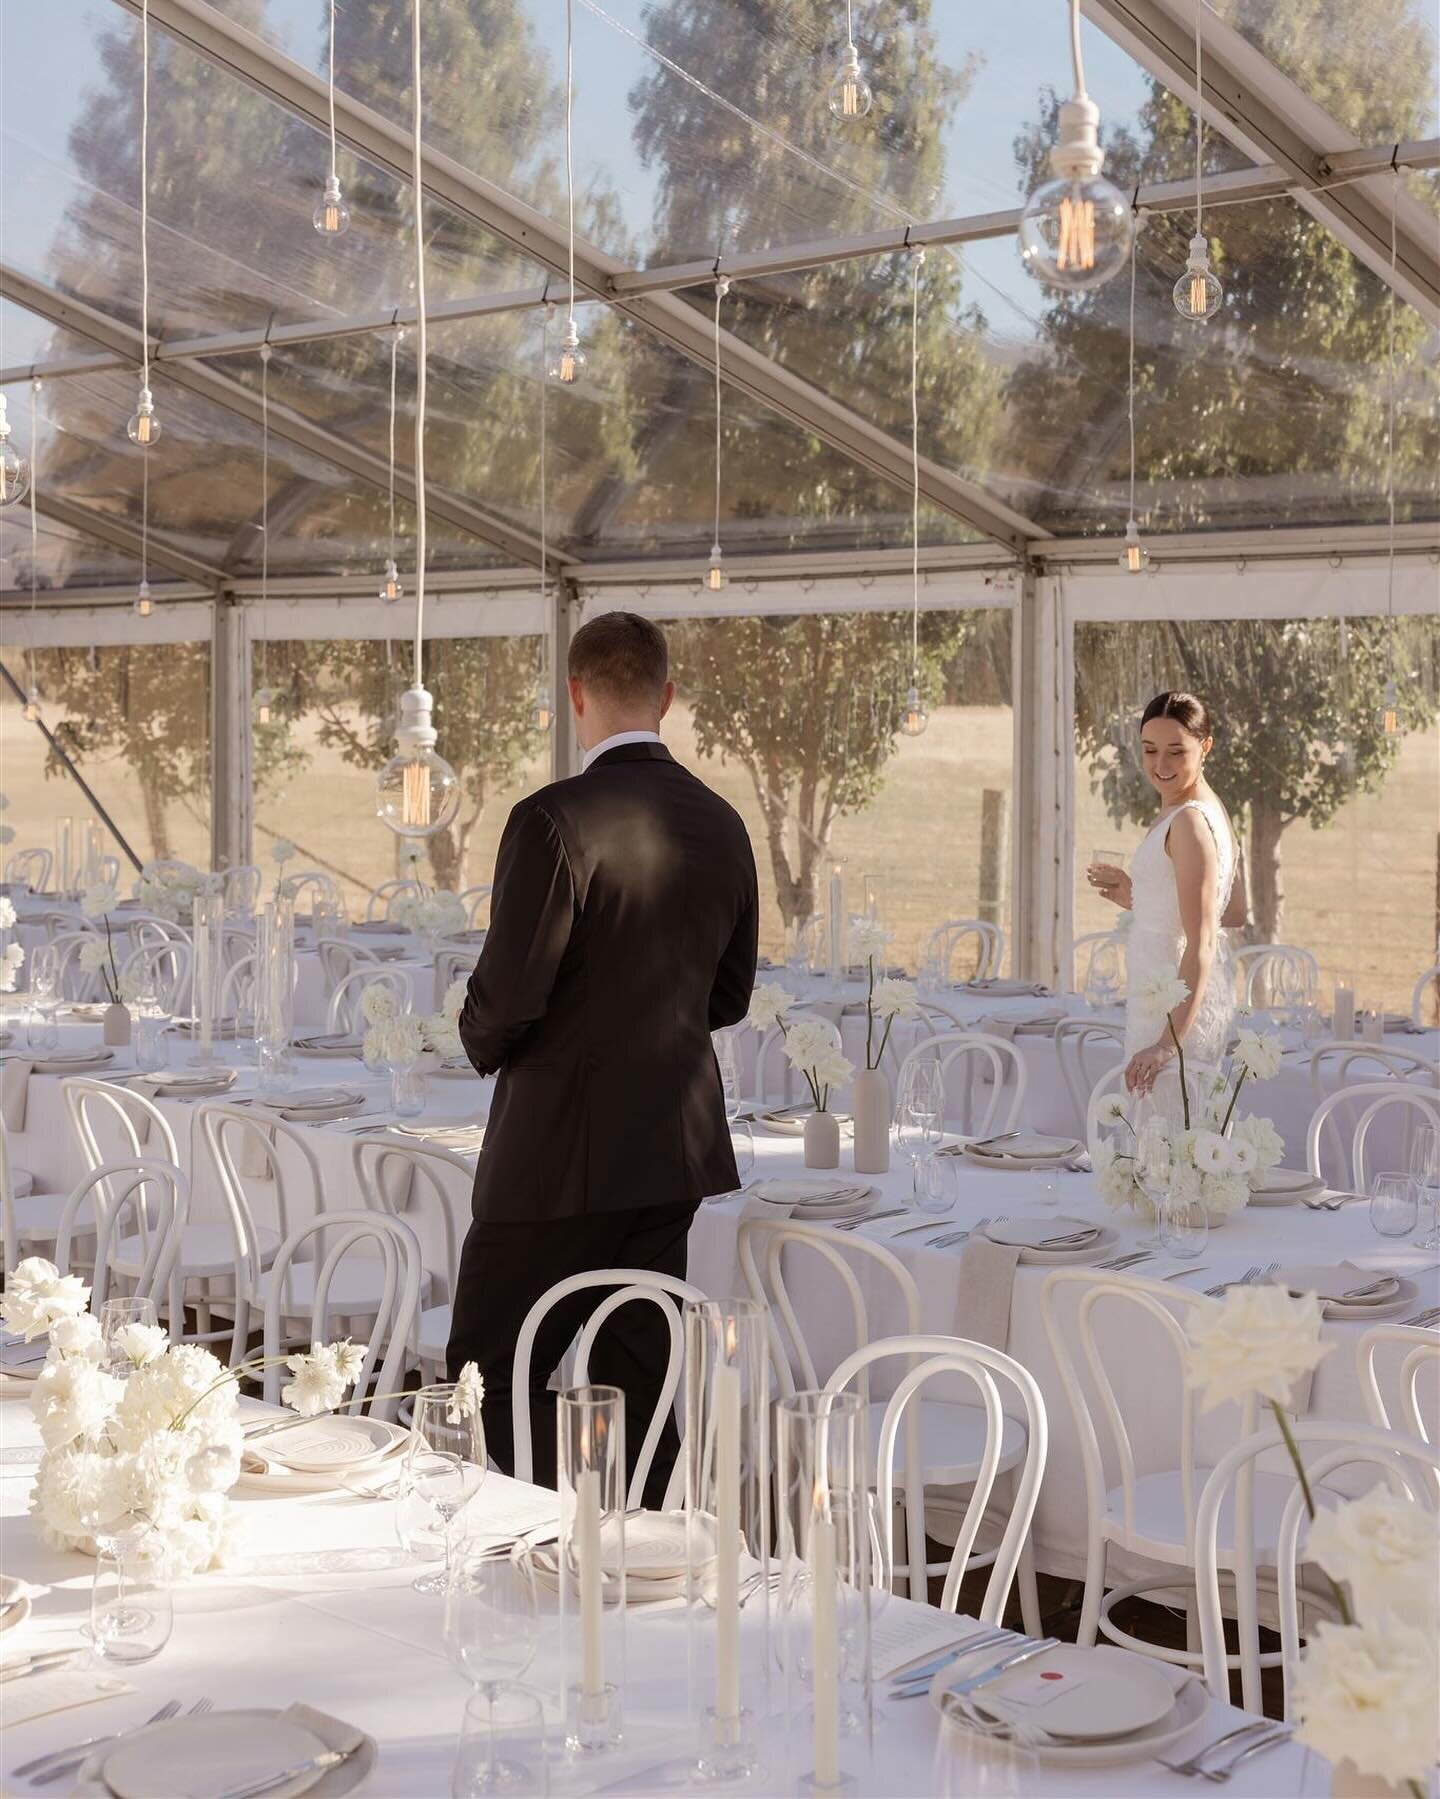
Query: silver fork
[1251,1274]
[1192,1764]
[1422,1320]
[200,1707]
[853,1224]
[1271,1741]
[952,1237]
[1127,1261]
[80,1750]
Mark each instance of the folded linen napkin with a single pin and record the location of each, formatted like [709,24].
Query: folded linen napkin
[1000,987]
[15,1091]
[984,1291]
[1030,1024]
[37,1695]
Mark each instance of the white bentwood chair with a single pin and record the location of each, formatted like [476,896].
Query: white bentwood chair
[338,957]
[1350,1167]
[29,1221]
[1277,974]
[475,901]
[631,1286]
[1409,1354]
[157,1195]
[385,895]
[30,868]
[1086,1049]
[947,1441]
[330,1240]
[164,968]
[241,886]
[1098,964]
[71,980]
[979,1364]
[344,1012]
[1331,1065]
[431,1186]
[947,939]
[1407,1464]
[1429,982]
[993,1084]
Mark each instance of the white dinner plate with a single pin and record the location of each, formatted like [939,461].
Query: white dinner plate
[197,1757]
[77,1062]
[1028,1234]
[14,1604]
[376,927]
[806,1193]
[1030,1149]
[317,1104]
[186,1082]
[454,1071]
[1329,1282]
[334,1444]
[789,1121]
[1285,1187]
[258,1474]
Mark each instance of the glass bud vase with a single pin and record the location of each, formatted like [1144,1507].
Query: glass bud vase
[408,1086]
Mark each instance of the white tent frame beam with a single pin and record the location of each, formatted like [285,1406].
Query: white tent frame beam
[387,145]
[1271,119]
[1267,183]
[120,534]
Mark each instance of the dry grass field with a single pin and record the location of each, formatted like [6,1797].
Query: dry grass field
[1361,893]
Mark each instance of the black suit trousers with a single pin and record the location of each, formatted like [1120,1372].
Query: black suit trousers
[504,1269]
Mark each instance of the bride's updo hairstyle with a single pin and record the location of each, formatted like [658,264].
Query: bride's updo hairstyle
[1189,713]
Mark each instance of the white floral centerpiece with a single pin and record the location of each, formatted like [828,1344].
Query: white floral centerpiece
[887,997]
[399,1037]
[1365,1690]
[810,1047]
[170,892]
[1216,1158]
[431,915]
[95,957]
[164,1443]
[11,960]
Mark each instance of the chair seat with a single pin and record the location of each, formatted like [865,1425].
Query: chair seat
[22,1182]
[37,1217]
[355,1287]
[207,1252]
[432,1334]
[1159,1529]
[952,1441]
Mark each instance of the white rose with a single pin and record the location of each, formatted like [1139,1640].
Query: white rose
[1160,993]
[37,1295]
[80,1336]
[1211,1153]
[1386,1549]
[894,998]
[140,1343]
[868,937]
[1254,1340]
[1243,1159]
[10,967]
[1366,1694]
[97,900]
[1260,1055]
[7,913]
[768,1005]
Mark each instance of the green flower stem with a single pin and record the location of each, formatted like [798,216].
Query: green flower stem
[1337,1593]
[1234,1097]
[884,1041]
[1180,1051]
[870,1011]
[230,1374]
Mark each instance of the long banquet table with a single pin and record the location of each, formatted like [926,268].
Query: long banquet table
[316,1607]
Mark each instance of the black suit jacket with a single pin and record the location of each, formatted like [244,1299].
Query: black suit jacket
[623,927]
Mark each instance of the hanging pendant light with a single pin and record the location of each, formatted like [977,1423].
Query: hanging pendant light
[1389,717]
[144,428]
[1075,230]
[30,711]
[391,588]
[331,217]
[542,714]
[144,605]
[1134,558]
[417,792]
[14,468]
[570,365]
[849,95]
[715,574]
[914,717]
[1198,294]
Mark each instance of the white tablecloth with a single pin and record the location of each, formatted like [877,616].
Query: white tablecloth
[318,1608]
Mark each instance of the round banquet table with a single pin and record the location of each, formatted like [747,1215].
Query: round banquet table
[316,1607]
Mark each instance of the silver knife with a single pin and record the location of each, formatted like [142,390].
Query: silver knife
[316,1764]
[1012,1660]
[42,1663]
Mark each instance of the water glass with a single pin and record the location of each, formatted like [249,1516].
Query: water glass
[430,1491]
[983,1763]
[131,1615]
[1394,1205]
[502,1746]
[491,1622]
[1184,1228]
[116,1316]
[934,1182]
[152,1042]
[1153,1169]
[1425,1168]
[407,1088]
[728,1063]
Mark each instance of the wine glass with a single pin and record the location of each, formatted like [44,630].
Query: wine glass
[117,1315]
[491,1633]
[493,1739]
[1394,1205]
[1153,1168]
[444,1466]
[131,1612]
[1425,1170]
[742,1141]
[1184,1227]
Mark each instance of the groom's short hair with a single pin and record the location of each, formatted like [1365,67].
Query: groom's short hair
[622,657]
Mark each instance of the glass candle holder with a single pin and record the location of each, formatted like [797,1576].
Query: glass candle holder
[274,993]
[823,1544]
[590,1459]
[208,933]
[727,1530]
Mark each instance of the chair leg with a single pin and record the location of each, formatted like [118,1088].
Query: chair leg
[1192,1627]
[1029,1591]
[1089,1625]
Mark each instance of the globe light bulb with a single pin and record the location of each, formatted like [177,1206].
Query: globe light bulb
[1075,230]
[144,427]
[331,216]
[914,718]
[143,605]
[263,702]
[14,468]
[30,711]
[417,792]
[569,366]
[1198,293]
[849,95]
[1387,716]
[715,574]
[541,715]
[391,588]
[1134,557]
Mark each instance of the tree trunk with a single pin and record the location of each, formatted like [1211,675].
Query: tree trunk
[155,822]
[1267,894]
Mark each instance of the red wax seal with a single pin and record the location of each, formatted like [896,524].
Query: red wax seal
[1049,1674]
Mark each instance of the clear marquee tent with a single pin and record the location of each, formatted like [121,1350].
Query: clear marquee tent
[1286,473]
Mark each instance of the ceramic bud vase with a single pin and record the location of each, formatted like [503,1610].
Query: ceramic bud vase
[872,1122]
[822,1141]
[116,1031]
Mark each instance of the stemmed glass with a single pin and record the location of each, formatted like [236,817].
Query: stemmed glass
[491,1632]
[41,1031]
[1153,1169]
[443,1468]
[1425,1170]
[917,1110]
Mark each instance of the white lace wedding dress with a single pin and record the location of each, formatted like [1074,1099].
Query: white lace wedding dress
[1156,939]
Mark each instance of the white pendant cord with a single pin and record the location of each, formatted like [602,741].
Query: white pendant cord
[394,357]
[1130,405]
[544,490]
[1199,116]
[569,146]
[1076,59]
[722,287]
[331,85]
[421,341]
[145,194]
[849,23]
[917,259]
[264,473]
[1390,424]
[34,530]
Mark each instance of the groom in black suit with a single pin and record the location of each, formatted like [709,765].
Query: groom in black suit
[623,928]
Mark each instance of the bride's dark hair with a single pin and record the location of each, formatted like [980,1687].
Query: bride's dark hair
[1189,713]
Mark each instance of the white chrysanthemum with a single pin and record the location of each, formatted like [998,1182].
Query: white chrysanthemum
[442,913]
[469,1394]
[37,1294]
[1366,1694]
[1386,1549]
[1260,1055]
[77,1491]
[282,849]
[214,1467]
[1211,1153]
[1263,1138]
[455,996]
[832,1069]
[1114,1177]
[404,911]
[868,937]
[894,998]
[1255,1340]
[7,913]
[317,1386]
[81,1337]
[73,1398]
[140,1343]
[377,1001]
[1161,993]
[1223,1194]
[93,955]
[806,1041]
[10,962]
[98,899]
[1243,1159]
[768,1005]
[1111,1110]
[185,1383]
[442,1035]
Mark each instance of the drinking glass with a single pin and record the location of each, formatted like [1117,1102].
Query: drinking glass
[934,1182]
[1425,1168]
[491,1625]
[1102,976]
[407,1088]
[431,1490]
[1394,1205]
[1184,1227]
[729,1066]
[742,1141]
[1153,1168]
[502,1746]
[983,1763]
[152,1042]
[117,1315]
[131,1615]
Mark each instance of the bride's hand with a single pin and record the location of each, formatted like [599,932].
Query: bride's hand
[1110,883]
[1146,1065]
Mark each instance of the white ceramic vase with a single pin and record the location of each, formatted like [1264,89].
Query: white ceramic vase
[822,1141]
[872,1122]
[115,1031]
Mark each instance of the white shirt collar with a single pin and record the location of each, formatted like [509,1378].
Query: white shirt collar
[613,743]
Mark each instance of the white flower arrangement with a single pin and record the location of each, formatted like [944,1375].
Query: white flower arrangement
[1386,1549]
[98,899]
[96,957]
[11,959]
[810,1047]
[1256,1340]
[1365,1693]
[438,914]
[281,850]
[7,913]
[868,937]
[889,998]
[768,1005]
[403,1037]
[163,1444]
[170,892]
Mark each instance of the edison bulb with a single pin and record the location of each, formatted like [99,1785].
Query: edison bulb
[263,702]
[914,718]
[569,366]
[1198,293]
[30,711]
[1075,232]
[715,574]
[14,468]
[417,792]
[1387,716]
[143,604]
[541,715]
[1134,557]
[331,216]
[849,95]
[391,588]
[144,427]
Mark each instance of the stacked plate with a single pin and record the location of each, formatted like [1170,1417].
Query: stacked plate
[1057,1239]
[222,1029]
[317,1455]
[74,1061]
[464,1136]
[1007,989]
[1286,1187]
[1348,1292]
[655,1558]
[375,927]
[91,1010]
[457,1068]
[329,1043]
[1023,1149]
[1081,1707]
[189,1083]
[789,1121]
[317,1105]
[816,1197]
[230,1752]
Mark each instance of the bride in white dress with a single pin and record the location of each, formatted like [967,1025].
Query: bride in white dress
[1181,893]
